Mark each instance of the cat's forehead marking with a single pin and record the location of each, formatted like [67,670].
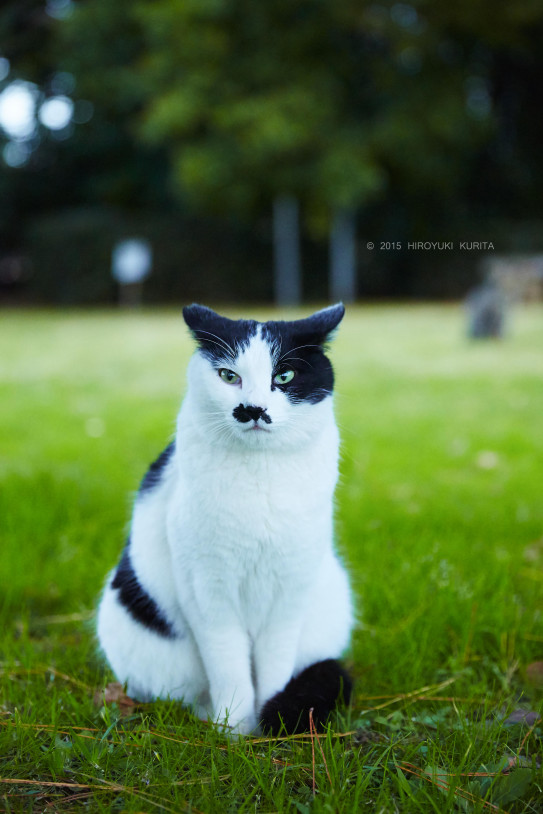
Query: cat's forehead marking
[226,340]
[258,352]
[273,341]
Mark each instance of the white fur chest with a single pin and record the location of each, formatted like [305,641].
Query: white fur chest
[254,523]
[251,498]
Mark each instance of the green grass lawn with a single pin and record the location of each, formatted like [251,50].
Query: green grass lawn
[439,515]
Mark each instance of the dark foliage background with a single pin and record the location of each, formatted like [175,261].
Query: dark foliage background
[422,117]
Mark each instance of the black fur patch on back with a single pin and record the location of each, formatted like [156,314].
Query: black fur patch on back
[154,473]
[319,687]
[136,600]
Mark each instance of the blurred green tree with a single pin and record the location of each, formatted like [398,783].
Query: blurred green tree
[413,115]
[94,160]
[255,100]
[338,104]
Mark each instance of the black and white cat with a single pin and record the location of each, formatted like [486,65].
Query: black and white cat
[229,594]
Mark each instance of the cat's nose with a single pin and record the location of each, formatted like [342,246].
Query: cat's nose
[249,412]
[254,412]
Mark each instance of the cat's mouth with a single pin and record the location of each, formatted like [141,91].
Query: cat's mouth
[256,428]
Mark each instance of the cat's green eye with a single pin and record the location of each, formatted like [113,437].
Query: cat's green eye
[229,376]
[284,377]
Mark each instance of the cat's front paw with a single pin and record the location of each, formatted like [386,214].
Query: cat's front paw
[232,725]
[234,709]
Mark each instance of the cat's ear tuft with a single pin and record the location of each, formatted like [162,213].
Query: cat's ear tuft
[328,319]
[205,324]
[198,316]
[322,324]
[217,336]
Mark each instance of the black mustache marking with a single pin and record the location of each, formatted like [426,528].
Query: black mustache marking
[247,413]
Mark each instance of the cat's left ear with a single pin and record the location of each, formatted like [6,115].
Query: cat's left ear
[319,328]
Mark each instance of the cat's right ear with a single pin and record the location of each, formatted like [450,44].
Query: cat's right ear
[199,318]
[211,331]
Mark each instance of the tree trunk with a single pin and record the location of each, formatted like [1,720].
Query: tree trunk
[343,256]
[286,243]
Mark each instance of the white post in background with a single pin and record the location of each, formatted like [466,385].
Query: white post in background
[130,264]
[343,256]
[286,245]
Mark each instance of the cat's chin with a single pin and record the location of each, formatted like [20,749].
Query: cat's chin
[263,440]
[256,436]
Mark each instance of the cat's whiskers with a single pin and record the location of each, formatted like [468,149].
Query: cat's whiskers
[292,423]
[289,358]
[221,343]
[219,426]
[216,421]
[291,350]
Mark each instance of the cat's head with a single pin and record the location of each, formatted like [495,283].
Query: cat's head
[261,384]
